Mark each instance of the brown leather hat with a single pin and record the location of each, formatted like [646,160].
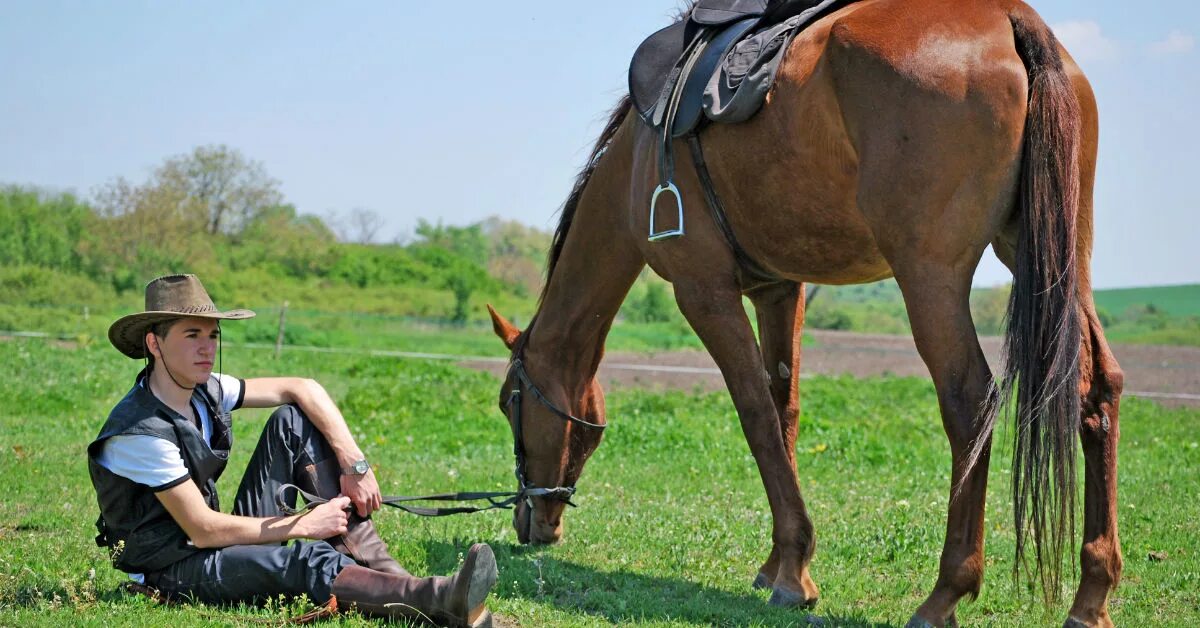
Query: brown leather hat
[173,296]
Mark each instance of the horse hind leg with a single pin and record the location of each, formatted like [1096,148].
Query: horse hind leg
[779,309]
[1100,556]
[937,299]
[1101,383]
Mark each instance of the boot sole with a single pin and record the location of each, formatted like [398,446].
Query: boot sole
[484,574]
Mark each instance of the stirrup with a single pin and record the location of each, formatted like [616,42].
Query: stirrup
[669,233]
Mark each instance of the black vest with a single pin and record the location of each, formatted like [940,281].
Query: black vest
[141,536]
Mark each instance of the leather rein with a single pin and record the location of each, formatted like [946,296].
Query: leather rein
[526,491]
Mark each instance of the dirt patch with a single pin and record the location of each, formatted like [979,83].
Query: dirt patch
[1170,375]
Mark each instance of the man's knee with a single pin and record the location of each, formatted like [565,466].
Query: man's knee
[289,418]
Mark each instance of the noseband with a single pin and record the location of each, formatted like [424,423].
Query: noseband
[525,489]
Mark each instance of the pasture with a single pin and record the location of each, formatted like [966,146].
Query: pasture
[672,520]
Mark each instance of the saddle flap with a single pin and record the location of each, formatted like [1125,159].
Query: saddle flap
[691,104]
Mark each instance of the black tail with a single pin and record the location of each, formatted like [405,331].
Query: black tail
[1041,346]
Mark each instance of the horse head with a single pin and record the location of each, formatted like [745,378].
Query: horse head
[556,427]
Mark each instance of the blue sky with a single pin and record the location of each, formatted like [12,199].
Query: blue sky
[414,113]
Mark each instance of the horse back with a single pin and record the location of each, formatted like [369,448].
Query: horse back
[888,117]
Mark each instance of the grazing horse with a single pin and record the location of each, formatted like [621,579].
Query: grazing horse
[901,138]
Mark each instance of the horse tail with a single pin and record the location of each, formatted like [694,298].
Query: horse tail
[1042,342]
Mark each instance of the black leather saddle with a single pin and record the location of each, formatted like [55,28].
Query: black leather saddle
[661,64]
[674,69]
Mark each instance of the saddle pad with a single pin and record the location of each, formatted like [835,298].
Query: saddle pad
[737,90]
[652,63]
[718,12]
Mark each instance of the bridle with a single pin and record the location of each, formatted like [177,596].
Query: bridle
[526,491]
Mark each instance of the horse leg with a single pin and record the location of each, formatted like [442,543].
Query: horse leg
[779,309]
[717,315]
[1100,557]
[937,299]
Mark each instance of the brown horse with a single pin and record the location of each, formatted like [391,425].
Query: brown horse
[900,139]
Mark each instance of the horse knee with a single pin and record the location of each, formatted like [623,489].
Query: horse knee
[1101,562]
[1099,420]
[960,416]
[962,572]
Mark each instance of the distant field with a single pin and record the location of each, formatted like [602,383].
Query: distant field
[672,521]
[1173,300]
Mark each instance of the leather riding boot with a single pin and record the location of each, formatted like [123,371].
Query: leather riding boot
[361,541]
[457,600]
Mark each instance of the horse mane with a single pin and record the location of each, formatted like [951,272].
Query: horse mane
[567,212]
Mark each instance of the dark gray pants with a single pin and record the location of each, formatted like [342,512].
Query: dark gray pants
[244,573]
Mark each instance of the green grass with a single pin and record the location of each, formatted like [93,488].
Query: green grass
[1174,300]
[672,520]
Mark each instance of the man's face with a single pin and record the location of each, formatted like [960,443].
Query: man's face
[188,349]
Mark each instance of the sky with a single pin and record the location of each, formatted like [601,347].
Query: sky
[414,113]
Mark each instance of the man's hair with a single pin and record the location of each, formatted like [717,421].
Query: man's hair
[160,329]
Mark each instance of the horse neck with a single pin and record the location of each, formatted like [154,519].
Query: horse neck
[598,264]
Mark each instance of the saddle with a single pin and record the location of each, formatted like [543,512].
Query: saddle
[717,64]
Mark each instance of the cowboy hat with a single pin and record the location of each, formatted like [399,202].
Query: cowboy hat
[170,297]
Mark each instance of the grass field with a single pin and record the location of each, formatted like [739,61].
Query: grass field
[1174,300]
[672,520]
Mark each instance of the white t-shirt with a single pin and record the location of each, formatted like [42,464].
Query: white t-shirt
[157,462]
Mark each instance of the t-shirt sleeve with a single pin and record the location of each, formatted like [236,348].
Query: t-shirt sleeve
[150,460]
[233,392]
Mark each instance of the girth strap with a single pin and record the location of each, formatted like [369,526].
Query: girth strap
[752,268]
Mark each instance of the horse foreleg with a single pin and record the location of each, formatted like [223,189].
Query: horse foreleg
[937,299]
[780,311]
[717,315]
[1100,557]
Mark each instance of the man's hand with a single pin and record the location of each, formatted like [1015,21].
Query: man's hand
[363,491]
[326,520]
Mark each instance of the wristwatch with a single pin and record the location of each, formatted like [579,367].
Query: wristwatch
[360,467]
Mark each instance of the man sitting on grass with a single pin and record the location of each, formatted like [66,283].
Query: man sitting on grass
[157,459]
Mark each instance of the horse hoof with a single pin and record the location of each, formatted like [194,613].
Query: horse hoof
[761,581]
[1074,623]
[918,622]
[790,599]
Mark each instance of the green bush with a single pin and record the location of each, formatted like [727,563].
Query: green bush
[41,229]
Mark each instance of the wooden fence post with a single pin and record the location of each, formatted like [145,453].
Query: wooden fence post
[279,338]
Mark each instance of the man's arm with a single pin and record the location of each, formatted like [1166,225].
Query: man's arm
[268,392]
[208,528]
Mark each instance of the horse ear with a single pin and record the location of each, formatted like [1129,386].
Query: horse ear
[504,329]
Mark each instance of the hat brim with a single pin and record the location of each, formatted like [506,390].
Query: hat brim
[127,334]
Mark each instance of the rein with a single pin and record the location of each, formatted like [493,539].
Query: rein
[496,500]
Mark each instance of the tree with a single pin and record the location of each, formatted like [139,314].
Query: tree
[218,185]
[467,242]
[364,225]
[516,253]
[41,228]
[175,219]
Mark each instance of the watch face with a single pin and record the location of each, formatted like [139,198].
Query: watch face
[361,467]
